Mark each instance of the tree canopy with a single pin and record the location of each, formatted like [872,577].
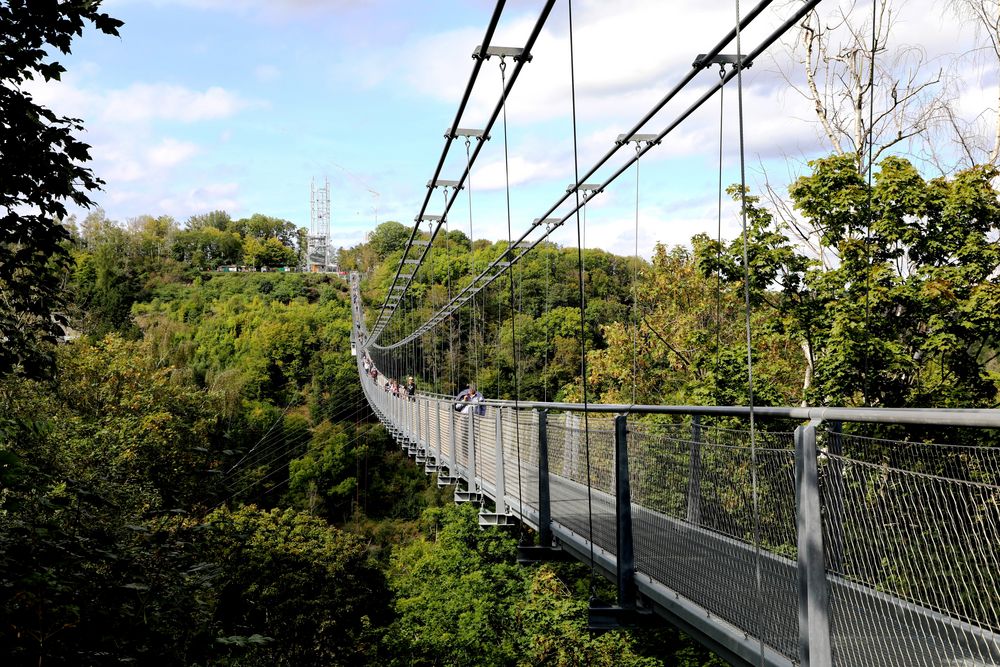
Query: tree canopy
[42,168]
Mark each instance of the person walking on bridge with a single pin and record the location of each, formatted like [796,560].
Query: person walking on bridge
[469,400]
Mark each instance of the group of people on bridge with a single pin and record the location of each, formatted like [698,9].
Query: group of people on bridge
[390,385]
[468,401]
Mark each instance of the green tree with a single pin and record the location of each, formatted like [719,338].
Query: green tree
[268,253]
[208,247]
[41,169]
[460,599]
[219,220]
[899,308]
[263,227]
[387,238]
[291,577]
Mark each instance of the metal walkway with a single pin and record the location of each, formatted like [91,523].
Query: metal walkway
[870,551]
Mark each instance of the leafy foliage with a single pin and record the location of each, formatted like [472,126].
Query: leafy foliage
[41,168]
[291,577]
[461,599]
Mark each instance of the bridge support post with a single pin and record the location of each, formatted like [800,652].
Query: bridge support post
[814,619]
[601,616]
[393,416]
[411,420]
[623,516]
[694,473]
[544,504]
[414,421]
[417,426]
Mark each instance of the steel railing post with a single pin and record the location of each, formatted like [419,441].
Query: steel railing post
[814,619]
[410,426]
[471,463]
[544,506]
[452,458]
[501,502]
[623,514]
[432,443]
[415,420]
[437,426]
[694,473]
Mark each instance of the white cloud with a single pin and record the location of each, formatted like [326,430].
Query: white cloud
[159,101]
[209,197]
[491,175]
[137,103]
[130,147]
[171,152]
[264,9]
[266,73]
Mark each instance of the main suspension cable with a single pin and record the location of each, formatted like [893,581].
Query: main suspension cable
[866,387]
[451,320]
[479,57]
[485,277]
[472,263]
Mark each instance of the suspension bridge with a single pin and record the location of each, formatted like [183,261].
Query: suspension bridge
[661,513]
[798,537]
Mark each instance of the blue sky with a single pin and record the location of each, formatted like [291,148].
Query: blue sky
[237,104]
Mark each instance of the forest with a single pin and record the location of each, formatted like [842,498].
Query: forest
[195,479]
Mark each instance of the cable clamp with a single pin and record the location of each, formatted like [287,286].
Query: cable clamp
[465,132]
[442,183]
[637,138]
[518,54]
[703,61]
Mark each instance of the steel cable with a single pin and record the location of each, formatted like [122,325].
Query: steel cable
[746,299]
[579,262]
[513,311]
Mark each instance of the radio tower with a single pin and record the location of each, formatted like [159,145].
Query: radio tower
[318,256]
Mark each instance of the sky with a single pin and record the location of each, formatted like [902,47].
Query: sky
[240,104]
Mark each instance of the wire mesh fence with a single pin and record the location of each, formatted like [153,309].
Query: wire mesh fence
[573,450]
[695,527]
[485,431]
[519,433]
[917,523]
